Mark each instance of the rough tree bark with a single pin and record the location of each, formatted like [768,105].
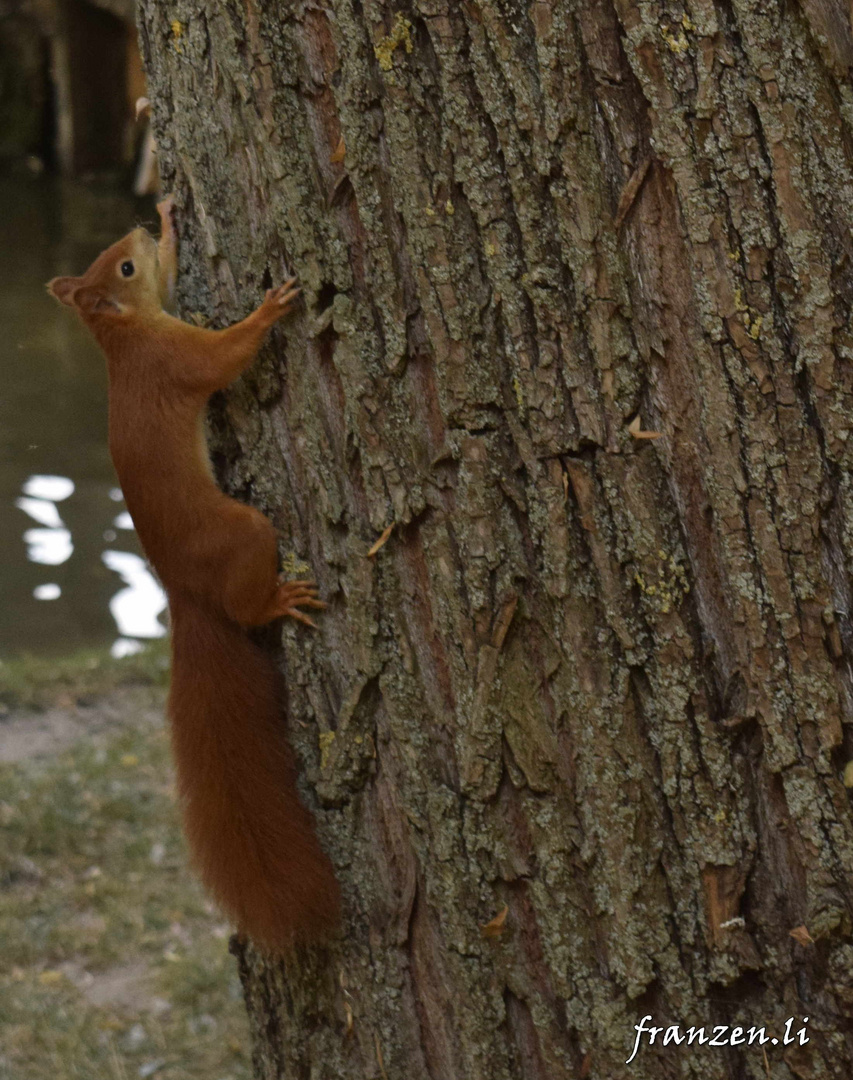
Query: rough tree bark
[600,680]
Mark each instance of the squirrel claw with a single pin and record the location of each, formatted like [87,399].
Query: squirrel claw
[288,297]
[300,617]
[284,295]
[295,594]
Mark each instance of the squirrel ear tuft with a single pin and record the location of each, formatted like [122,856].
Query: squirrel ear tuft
[64,288]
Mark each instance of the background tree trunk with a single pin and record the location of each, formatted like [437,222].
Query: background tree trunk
[601,681]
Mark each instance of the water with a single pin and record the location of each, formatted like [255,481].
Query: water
[71,572]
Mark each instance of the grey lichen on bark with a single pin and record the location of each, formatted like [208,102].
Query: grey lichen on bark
[600,680]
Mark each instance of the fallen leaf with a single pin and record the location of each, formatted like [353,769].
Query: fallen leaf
[801,935]
[634,429]
[379,1057]
[340,152]
[350,1022]
[495,927]
[629,192]
[381,542]
[504,619]
[848,774]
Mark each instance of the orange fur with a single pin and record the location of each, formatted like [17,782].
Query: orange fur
[251,838]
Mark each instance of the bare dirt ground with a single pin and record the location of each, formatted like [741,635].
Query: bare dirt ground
[112,961]
[30,733]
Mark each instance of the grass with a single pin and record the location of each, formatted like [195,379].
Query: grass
[112,962]
[38,681]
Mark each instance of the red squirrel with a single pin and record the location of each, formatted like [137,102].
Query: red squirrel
[250,836]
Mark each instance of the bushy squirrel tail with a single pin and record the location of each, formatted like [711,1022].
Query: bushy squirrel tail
[251,839]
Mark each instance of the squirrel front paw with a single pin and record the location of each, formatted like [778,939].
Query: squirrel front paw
[278,302]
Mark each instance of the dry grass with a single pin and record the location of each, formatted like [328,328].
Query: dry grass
[112,963]
[39,681]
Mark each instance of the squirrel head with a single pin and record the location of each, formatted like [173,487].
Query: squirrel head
[120,283]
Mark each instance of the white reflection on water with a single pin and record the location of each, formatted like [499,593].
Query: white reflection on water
[51,545]
[48,546]
[48,591]
[52,488]
[40,510]
[125,647]
[135,609]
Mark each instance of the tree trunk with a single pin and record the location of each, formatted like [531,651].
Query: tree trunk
[596,684]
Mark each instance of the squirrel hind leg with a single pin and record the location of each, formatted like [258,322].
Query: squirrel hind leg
[253,592]
[250,576]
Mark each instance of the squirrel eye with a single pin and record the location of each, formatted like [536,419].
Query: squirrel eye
[127,268]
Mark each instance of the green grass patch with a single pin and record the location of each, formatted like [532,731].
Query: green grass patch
[39,681]
[112,962]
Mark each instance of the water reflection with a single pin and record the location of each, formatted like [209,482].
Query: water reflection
[52,547]
[49,591]
[62,582]
[50,488]
[135,609]
[45,513]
